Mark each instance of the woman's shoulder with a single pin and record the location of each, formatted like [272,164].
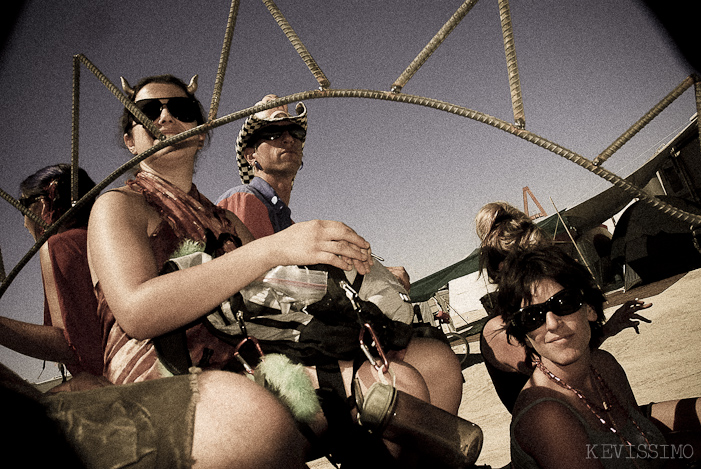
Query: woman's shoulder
[548,429]
[121,199]
[123,207]
[534,398]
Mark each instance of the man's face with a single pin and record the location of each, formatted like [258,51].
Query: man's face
[279,149]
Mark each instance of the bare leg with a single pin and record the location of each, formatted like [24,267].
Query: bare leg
[680,421]
[440,369]
[240,424]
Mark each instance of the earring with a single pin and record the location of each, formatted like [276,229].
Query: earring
[257,165]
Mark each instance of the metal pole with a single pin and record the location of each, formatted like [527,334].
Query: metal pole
[433,44]
[223,60]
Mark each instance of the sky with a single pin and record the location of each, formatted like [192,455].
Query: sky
[409,179]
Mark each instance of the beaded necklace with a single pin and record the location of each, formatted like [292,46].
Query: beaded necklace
[596,409]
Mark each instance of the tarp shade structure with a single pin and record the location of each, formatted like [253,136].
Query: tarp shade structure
[424,289]
[583,217]
[653,245]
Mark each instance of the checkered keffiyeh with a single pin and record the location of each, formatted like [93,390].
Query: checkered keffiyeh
[255,122]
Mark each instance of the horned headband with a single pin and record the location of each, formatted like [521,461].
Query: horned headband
[129,91]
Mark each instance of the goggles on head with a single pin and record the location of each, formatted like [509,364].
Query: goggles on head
[562,303]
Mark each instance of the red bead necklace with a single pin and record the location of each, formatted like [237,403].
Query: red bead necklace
[596,409]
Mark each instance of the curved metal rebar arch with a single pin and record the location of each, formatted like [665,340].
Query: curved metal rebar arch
[395,95]
[461,111]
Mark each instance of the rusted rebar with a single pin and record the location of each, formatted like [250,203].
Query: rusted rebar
[433,44]
[643,121]
[75,114]
[126,102]
[223,60]
[297,44]
[511,64]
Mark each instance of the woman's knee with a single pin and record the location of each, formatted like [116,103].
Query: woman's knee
[240,424]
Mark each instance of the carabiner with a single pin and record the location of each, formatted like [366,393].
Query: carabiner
[350,293]
[381,364]
[241,360]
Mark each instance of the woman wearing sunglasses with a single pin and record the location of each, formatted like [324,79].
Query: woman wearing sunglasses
[503,229]
[71,332]
[577,409]
[135,229]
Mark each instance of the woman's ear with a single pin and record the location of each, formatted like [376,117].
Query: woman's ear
[129,142]
[591,314]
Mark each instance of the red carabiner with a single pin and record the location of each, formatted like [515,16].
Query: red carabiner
[381,364]
[241,360]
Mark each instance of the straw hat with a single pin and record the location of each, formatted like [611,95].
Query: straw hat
[259,120]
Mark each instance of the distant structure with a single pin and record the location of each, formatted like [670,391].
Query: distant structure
[527,192]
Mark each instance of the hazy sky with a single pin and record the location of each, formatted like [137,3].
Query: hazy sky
[408,178]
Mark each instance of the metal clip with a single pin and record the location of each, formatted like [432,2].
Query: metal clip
[350,293]
[241,360]
[381,364]
[241,322]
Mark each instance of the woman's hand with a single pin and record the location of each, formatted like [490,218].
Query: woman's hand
[626,316]
[321,242]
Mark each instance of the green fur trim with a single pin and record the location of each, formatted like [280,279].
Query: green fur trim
[188,246]
[289,383]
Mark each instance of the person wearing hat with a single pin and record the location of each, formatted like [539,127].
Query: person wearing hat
[269,151]
[269,154]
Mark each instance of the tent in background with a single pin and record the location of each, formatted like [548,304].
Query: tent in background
[674,170]
[652,245]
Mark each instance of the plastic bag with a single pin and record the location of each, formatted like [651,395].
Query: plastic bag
[287,288]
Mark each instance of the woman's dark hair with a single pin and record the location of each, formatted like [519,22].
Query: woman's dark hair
[127,120]
[524,269]
[54,184]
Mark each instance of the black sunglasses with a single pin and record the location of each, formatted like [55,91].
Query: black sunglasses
[563,303]
[27,202]
[273,132]
[183,109]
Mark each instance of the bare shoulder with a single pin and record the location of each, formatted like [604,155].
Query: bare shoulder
[606,363]
[496,347]
[548,429]
[121,206]
[613,374]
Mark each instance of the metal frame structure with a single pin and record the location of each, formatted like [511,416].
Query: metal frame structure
[517,128]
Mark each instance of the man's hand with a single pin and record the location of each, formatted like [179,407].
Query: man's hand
[402,276]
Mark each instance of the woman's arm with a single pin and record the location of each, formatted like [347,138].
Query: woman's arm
[35,340]
[147,305]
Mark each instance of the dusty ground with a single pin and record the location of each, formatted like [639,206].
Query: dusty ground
[663,362]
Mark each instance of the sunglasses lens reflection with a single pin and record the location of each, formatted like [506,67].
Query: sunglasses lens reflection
[273,133]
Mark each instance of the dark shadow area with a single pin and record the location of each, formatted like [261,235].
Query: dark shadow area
[472,359]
